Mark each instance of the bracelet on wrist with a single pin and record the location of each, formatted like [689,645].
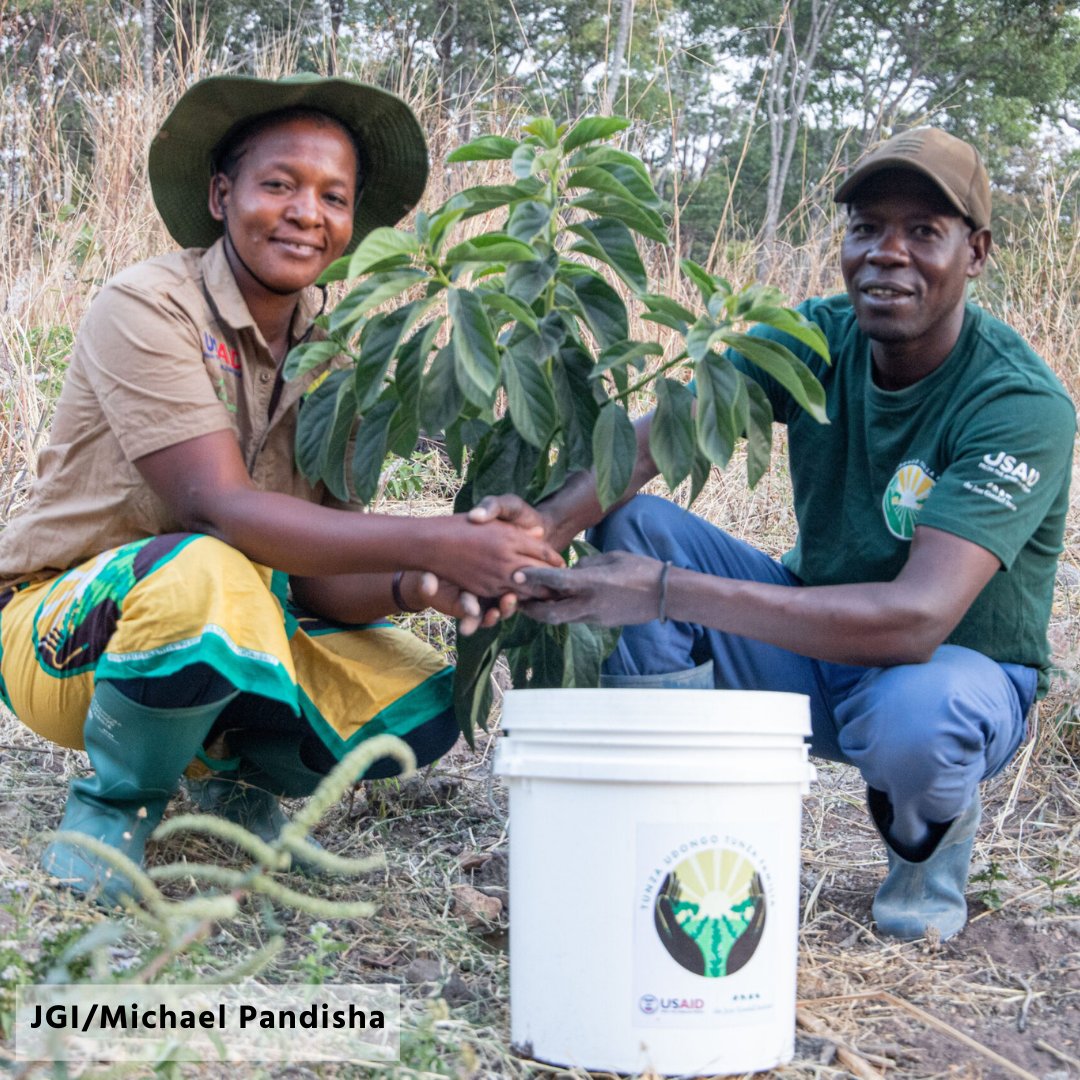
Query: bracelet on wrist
[662,613]
[395,591]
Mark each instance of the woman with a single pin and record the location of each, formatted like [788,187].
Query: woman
[144,607]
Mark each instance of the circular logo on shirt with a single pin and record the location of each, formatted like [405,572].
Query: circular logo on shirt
[903,499]
[710,912]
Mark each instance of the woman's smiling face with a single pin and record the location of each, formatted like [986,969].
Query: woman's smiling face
[288,205]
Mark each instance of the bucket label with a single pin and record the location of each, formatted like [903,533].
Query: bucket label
[702,947]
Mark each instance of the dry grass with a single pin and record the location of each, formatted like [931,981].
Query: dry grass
[1018,963]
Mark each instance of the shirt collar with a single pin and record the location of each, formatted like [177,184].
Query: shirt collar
[222,287]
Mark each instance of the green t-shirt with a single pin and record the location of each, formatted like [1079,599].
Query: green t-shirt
[981,448]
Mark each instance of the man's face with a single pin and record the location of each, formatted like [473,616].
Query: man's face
[907,257]
[289,207]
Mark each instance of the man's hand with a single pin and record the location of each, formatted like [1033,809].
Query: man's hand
[516,511]
[613,589]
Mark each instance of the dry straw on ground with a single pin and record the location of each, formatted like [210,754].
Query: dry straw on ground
[1002,1000]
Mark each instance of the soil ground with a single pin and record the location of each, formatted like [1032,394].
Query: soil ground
[1000,1000]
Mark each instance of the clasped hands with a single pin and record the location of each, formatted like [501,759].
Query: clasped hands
[611,589]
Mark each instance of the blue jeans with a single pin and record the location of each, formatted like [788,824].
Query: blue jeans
[925,734]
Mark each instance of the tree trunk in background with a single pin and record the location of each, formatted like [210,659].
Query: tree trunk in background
[148,32]
[445,41]
[618,59]
[332,13]
[790,70]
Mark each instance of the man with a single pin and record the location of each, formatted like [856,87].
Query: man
[914,605]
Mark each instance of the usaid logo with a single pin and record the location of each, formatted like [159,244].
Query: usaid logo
[650,1004]
[1007,467]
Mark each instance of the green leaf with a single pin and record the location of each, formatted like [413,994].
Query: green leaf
[527,218]
[604,310]
[629,170]
[378,341]
[476,356]
[614,446]
[338,270]
[531,398]
[525,281]
[505,463]
[523,161]
[581,656]
[476,656]
[507,305]
[519,630]
[784,366]
[316,415]
[485,197]
[370,450]
[489,247]
[311,354]
[545,343]
[578,406]
[794,323]
[369,294]
[441,399]
[699,338]
[380,245]
[408,382]
[671,434]
[592,128]
[596,178]
[610,241]
[758,433]
[718,385]
[486,148]
[335,440]
[440,224]
[676,316]
[639,218]
[543,127]
[699,476]
[622,353]
[403,431]
[700,277]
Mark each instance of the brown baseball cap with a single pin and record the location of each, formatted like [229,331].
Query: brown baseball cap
[952,164]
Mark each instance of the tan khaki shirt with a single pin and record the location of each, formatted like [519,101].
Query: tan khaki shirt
[167,352]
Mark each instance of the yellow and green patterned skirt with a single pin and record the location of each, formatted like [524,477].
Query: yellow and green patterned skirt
[153,607]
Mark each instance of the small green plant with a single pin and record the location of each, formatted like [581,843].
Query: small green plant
[988,878]
[313,966]
[404,478]
[514,346]
[1054,881]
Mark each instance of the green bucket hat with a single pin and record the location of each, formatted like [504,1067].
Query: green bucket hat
[394,165]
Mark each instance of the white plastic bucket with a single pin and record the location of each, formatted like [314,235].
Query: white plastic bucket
[654,876]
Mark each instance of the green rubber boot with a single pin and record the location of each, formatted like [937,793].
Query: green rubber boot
[267,764]
[925,894]
[138,754]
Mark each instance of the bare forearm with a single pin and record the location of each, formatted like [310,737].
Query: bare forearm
[872,624]
[310,540]
[575,507]
[351,598]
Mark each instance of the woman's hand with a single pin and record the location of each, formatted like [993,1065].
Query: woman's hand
[484,558]
[612,589]
[423,589]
